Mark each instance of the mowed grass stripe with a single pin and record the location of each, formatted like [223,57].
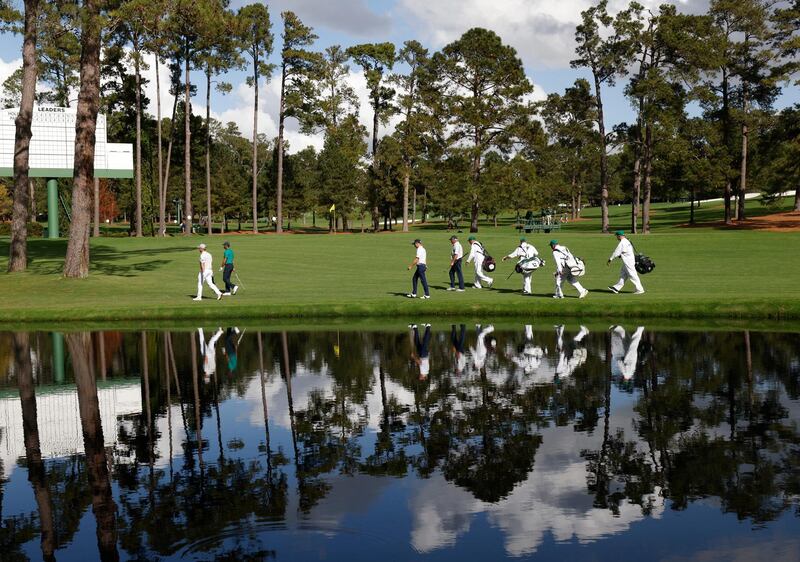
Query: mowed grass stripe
[699,273]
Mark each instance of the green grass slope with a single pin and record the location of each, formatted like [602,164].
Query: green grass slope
[700,273]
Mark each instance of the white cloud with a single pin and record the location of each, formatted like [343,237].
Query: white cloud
[542,31]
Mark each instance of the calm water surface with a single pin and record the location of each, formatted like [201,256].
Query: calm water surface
[450,442]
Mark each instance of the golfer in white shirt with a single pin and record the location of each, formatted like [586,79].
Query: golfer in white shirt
[206,274]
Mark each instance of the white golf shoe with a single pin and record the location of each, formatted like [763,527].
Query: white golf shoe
[197,299]
[235,288]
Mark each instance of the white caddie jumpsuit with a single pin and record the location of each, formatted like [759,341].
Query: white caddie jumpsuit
[207,275]
[564,259]
[567,363]
[480,351]
[623,360]
[209,351]
[531,355]
[476,256]
[524,252]
[625,252]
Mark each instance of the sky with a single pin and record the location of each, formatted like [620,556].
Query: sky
[542,32]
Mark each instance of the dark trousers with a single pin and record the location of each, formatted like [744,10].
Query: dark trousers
[419,274]
[457,338]
[455,269]
[226,276]
[422,346]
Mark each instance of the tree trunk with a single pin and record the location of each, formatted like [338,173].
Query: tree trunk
[476,176]
[637,184]
[32,198]
[165,186]
[743,170]
[648,176]
[96,202]
[375,209]
[103,506]
[208,147]
[279,182]
[406,181]
[37,475]
[414,207]
[797,198]
[138,164]
[726,142]
[76,263]
[255,143]
[603,155]
[187,150]
[691,205]
[18,255]
[162,199]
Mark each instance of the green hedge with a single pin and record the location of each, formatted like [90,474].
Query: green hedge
[35,229]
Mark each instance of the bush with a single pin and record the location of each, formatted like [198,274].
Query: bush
[35,230]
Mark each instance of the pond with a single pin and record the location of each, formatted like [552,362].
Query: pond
[444,442]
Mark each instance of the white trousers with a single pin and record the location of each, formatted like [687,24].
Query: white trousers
[206,277]
[569,278]
[628,272]
[526,282]
[480,275]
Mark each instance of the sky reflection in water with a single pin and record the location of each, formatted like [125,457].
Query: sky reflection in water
[424,443]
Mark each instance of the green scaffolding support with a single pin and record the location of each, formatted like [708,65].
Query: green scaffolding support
[58,358]
[52,209]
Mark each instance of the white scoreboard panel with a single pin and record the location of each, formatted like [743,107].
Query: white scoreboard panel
[52,151]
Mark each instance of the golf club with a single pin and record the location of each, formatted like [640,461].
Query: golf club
[238,279]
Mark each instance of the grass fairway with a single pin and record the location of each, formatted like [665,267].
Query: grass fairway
[700,273]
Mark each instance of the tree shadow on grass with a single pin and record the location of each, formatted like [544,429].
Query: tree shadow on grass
[46,257]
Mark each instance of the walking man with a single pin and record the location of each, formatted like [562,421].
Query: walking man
[206,274]
[227,270]
[565,261]
[421,265]
[526,261]
[476,255]
[456,254]
[626,253]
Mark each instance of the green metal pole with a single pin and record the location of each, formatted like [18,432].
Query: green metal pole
[52,208]
[58,357]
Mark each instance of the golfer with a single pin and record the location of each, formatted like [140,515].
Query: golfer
[525,253]
[565,261]
[476,255]
[626,253]
[456,255]
[420,263]
[206,274]
[227,270]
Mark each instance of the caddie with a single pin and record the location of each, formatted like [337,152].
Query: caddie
[527,260]
[476,255]
[566,268]
[627,254]
[206,274]
[421,264]
[456,255]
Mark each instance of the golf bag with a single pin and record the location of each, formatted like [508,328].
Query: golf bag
[489,264]
[644,264]
[577,268]
[528,265]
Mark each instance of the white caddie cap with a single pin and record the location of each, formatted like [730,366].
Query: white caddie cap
[202,246]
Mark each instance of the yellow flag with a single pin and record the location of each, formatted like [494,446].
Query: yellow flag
[336,350]
[332,209]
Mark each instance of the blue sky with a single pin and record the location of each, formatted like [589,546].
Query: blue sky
[541,30]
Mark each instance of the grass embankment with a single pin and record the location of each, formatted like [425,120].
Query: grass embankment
[700,273]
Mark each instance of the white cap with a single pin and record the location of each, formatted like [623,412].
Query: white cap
[202,246]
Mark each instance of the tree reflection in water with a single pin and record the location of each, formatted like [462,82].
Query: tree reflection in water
[660,419]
